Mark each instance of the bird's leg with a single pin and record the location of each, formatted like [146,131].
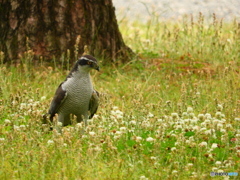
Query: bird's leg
[83,118]
[64,119]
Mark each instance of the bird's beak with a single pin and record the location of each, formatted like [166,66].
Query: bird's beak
[96,66]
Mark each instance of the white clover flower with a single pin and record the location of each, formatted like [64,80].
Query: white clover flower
[79,125]
[184,114]
[7,121]
[91,133]
[214,145]
[59,124]
[237,119]
[23,105]
[22,127]
[208,132]
[174,172]
[50,142]
[179,126]
[214,169]
[191,115]
[15,127]
[123,129]
[218,114]
[118,132]
[196,128]
[208,116]
[189,110]
[190,164]
[98,149]
[173,149]
[138,138]
[150,139]
[150,115]
[153,158]
[115,108]
[143,178]
[133,122]
[201,116]
[2,139]
[216,121]
[207,121]
[219,107]
[203,129]
[220,171]
[219,125]
[43,98]
[223,130]
[174,115]
[203,144]
[116,137]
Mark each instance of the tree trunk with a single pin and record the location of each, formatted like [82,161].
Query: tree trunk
[51,28]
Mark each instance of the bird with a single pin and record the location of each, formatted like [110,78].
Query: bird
[76,95]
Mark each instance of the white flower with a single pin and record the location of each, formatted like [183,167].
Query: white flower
[150,139]
[219,107]
[79,125]
[219,125]
[2,139]
[59,124]
[43,98]
[115,107]
[203,144]
[223,130]
[133,122]
[190,164]
[218,114]
[174,172]
[208,116]
[218,163]
[50,142]
[150,115]
[123,129]
[92,133]
[22,127]
[173,149]
[138,138]
[174,115]
[189,110]
[214,169]
[118,132]
[153,158]
[201,116]
[143,178]
[214,145]
[7,121]
[15,127]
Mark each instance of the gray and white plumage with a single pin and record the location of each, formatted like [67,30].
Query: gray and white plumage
[76,94]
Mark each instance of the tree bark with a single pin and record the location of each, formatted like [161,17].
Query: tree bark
[51,28]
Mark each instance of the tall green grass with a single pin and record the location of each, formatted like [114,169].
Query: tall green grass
[171,113]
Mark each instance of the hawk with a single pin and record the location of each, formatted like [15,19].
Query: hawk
[76,94]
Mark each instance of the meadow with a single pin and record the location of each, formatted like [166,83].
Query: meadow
[172,112]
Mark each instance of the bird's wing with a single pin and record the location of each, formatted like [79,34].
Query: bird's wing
[93,104]
[59,97]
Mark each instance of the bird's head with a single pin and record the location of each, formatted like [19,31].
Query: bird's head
[87,62]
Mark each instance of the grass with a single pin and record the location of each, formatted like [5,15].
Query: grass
[171,113]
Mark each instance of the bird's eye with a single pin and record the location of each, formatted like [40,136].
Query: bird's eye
[89,62]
